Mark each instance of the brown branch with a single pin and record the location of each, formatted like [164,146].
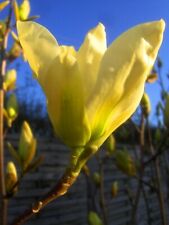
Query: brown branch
[158,179]
[148,209]
[3,63]
[152,187]
[139,187]
[3,202]
[160,150]
[60,189]
[63,185]
[102,195]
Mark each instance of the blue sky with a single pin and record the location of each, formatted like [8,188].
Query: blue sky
[70,20]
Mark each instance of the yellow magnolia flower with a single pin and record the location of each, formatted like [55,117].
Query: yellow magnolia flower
[92,91]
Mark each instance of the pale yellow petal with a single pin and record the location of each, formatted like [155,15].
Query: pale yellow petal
[65,98]
[124,70]
[90,55]
[39,45]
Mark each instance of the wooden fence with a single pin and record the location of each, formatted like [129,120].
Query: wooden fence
[72,209]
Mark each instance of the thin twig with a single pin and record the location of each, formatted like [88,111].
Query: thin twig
[160,149]
[148,209]
[161,83]
[139,187]
[135,126]
[158,179]
[3,201]
[146,183]
[9,194]
[102,194]
[91,192]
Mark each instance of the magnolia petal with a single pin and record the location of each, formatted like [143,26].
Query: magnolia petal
[90,55]
[39,45]
[124,70]
[65,97]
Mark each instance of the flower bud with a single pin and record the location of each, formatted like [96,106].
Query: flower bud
[16,10]
[12,108]
[159,109]
[24,10]
[11,177]
[158,135]
[152,77]
[14,52]
[94,219]
[110,144]
[145,105]
[86,170]
[10,80]
[166,111]
[27,145]
[3,5]
[114,189]
[163,94]
[96,178]
[159,63]
[2,30]
[125,162]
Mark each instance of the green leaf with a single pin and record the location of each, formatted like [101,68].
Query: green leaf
[15,37]
[36,163]
[13,153]
[32,18]
[125,162]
